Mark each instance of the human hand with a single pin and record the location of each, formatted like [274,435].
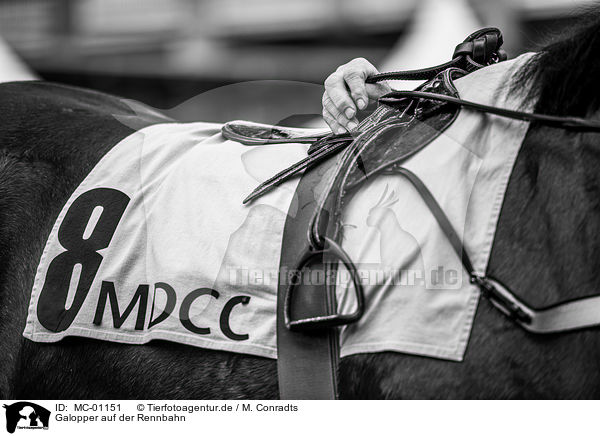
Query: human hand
[346,92]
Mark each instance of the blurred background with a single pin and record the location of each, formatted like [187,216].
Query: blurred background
[166,52]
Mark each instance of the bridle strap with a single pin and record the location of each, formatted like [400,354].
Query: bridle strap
[420,74]
[575,123]
[479,49]
[571,315]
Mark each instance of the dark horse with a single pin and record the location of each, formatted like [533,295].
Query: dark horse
[547,249]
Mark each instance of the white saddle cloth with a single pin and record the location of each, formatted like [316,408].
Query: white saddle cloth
[212,263]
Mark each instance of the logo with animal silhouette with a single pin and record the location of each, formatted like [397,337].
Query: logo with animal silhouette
[401,254]
[26,415]
[392,235]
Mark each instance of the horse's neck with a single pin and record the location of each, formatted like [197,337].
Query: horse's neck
[547,245]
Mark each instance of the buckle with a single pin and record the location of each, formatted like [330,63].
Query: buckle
[492,290]
[482,47]
[335,251]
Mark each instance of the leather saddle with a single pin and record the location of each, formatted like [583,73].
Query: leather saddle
[335,166]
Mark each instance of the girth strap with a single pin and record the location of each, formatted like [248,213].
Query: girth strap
[572,315]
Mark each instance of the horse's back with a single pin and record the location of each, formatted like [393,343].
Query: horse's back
[51,136]
[50,121]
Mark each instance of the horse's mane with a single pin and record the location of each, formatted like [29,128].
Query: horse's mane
[565,75]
